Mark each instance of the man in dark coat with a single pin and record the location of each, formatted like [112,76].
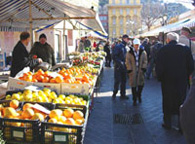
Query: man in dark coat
[120,73]
[108,54]
[43,50]
[187,117]
[174,66]
[21,58]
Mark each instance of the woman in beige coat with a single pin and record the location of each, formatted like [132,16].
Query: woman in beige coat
[136,63]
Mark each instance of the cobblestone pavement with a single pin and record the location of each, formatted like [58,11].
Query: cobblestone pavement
[103,129]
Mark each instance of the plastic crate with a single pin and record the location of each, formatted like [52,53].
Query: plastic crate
[64,134]
[28,133]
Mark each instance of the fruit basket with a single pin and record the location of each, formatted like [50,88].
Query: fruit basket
[64,133]
[17,125]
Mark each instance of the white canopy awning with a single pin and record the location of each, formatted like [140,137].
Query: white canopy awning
[14,14]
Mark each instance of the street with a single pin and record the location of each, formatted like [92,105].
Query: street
[119,122]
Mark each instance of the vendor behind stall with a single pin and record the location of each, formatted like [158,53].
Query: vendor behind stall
[43,50]
[21,58]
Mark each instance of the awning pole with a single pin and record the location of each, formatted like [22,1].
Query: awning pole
[64,38]
[30,22]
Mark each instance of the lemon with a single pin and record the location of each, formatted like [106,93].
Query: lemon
[27,92]
[46,90]
[53,95]
[16,96]
[56,101]
[8,97]
[62,96]
[28,97]
[39,99]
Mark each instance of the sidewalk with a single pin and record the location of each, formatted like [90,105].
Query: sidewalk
[118,122]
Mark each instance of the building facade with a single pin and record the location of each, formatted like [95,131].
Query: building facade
[124,17]
[103,15]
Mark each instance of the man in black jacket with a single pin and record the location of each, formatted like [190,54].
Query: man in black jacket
[21,58]
[174,66]
[43,50]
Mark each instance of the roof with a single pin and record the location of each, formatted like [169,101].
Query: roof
[15,13]
[167,28]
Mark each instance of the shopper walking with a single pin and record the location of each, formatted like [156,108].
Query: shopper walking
[81,47]
[153,56]
[174,65]
[136,63]
[119,56]
[108,54]
[185,39]
[21,58]
[146,46]
[187,118]
[43,50]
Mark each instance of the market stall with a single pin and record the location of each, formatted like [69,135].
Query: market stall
[51,106]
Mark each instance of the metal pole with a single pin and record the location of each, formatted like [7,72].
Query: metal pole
[64,44]
[30,21]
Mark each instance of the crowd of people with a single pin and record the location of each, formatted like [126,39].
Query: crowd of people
[173,63]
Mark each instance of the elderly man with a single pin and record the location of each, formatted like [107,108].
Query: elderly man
[136,62]
[120,73]
[43,50]
[184,39]
[21,58]
[173,67]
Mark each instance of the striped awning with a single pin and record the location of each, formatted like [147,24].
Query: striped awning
[14,14]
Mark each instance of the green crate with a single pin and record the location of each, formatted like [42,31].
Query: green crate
[64,134]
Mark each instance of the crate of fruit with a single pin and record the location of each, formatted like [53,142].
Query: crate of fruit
[21,122]
[46,96]
[66,125]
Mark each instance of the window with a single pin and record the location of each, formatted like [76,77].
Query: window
[128,10]
[121,11]
[127,1]
[135,11]
[121,2]
[121,31]
[113,11]
[113,1]
[114,21]
[128,31]
[114,32]
[121,21]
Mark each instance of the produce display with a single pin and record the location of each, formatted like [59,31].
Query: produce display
[46,95]
[74,75]
[27,112]
[69,111]
[67,117]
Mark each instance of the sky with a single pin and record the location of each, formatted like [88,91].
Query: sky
[184,2]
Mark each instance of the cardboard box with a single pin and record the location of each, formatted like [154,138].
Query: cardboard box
[17,84]
[81,89]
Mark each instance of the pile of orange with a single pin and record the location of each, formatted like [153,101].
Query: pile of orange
[71,75]
[67,117]
[27,113]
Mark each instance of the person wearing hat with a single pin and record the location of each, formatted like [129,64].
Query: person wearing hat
[43,50]
[185,39]
[120,73]
[174,65]
[136,63]
[20,56]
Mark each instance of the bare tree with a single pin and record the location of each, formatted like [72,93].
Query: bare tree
[151,12]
